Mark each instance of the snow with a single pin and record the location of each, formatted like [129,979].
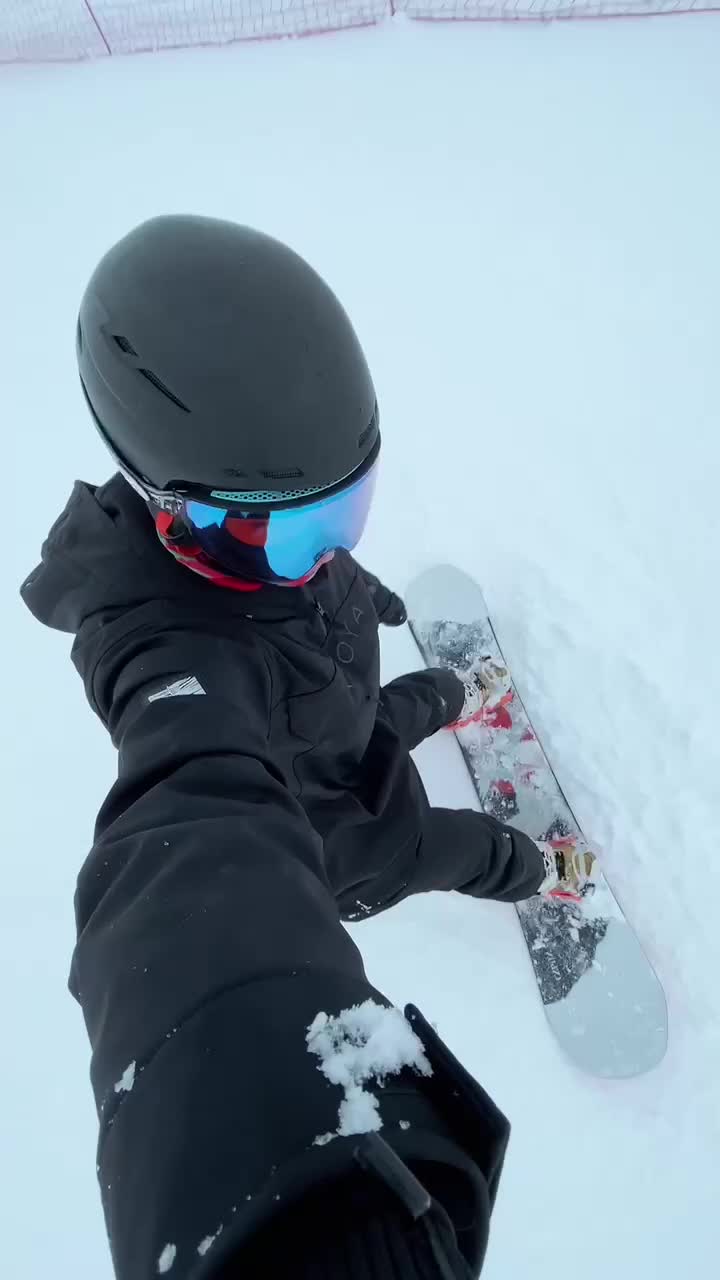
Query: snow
[208,1242]
[364,1044]
[323,1139]
[166,1259]
[522,222]
[127,1079]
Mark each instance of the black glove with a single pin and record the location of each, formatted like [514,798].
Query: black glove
[390,608]
[394,614]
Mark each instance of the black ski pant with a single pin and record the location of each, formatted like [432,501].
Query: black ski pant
[444,848]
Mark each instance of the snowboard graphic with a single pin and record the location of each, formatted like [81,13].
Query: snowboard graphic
[601,996]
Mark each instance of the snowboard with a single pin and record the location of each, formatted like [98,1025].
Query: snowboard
[600,994]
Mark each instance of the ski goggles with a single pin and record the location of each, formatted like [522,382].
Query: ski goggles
[284,544]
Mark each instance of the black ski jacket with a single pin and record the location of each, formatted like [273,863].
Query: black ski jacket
[248,728]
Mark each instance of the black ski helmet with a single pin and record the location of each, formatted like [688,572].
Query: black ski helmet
[215,359]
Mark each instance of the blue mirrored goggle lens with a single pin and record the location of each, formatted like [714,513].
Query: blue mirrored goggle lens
[293,540]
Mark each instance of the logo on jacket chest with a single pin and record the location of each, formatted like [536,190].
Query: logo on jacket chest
[347,633]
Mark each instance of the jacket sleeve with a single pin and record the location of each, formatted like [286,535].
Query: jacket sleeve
[389,607]
[208,941]
[420,703]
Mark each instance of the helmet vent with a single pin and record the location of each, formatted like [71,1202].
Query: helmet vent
[124,344]
[263,496]
[292,473]
[152,377]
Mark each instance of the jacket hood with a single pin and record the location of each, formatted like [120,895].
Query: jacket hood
[102,553]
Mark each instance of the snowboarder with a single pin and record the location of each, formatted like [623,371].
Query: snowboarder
[229,642]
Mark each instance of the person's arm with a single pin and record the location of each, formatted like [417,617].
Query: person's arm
[208,941]
[420,703]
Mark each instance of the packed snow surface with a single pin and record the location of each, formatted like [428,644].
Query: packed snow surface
[523,223]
